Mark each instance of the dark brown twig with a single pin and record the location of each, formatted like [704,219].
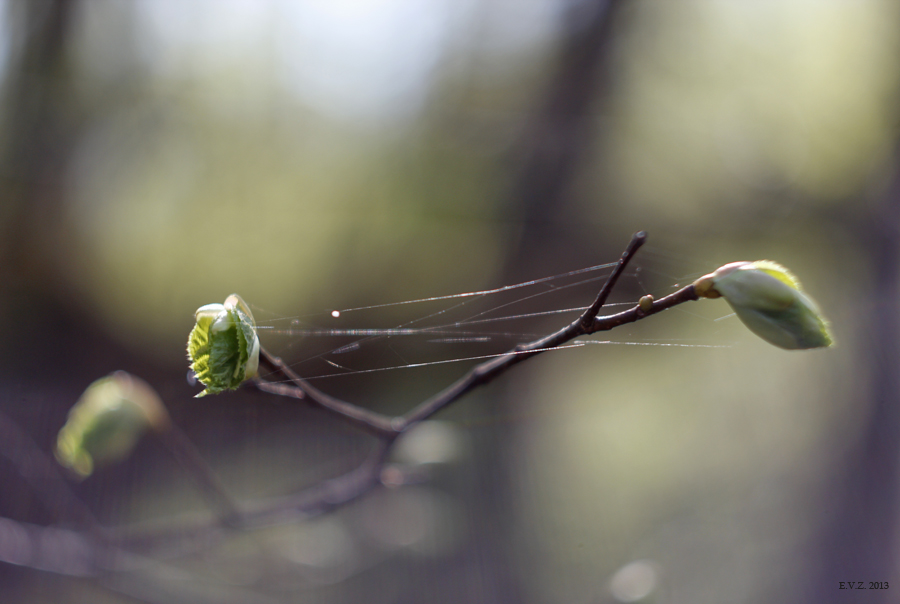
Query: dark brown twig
[636,313]
[376,423]
[637,240]
[588,323]
[486,372]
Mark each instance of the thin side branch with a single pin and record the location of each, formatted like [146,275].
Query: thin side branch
[376,423]
[685,294]
[637,240]
[487,371]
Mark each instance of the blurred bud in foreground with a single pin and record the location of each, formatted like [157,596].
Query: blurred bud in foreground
[768,299]
[107,421]
[223,347]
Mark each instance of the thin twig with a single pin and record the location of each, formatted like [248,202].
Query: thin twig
[487,371]
[637,240]
[388,428]
[376,423]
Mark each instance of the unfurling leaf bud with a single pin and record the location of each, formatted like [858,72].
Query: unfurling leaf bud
[223,346]
[107,421]
[768,299]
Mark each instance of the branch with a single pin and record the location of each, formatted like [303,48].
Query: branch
[184,536]
[388,429]
[637,240]
[189,534]
[376,423]
[357,482]
[487,371]
[685,294]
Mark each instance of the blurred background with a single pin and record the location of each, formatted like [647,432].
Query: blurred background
[310,155]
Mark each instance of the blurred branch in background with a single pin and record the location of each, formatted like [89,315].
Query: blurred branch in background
[43,476]
[40,126]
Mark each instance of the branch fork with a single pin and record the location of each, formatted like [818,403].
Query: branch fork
[387,429]
[374,470]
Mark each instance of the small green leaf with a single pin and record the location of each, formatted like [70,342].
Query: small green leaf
[223,346]
[769,300]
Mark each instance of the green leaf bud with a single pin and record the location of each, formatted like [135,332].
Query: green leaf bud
[107,421]
[768,299]
[223,346]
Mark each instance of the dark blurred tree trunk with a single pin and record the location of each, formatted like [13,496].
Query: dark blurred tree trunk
[557,140]
[42,124]
[861,509]
[552,148]
[39,134]
[44,121]
[32,153]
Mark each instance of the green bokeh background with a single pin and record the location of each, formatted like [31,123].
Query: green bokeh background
[311,156]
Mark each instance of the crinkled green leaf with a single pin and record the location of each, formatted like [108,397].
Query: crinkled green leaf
[223,345]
